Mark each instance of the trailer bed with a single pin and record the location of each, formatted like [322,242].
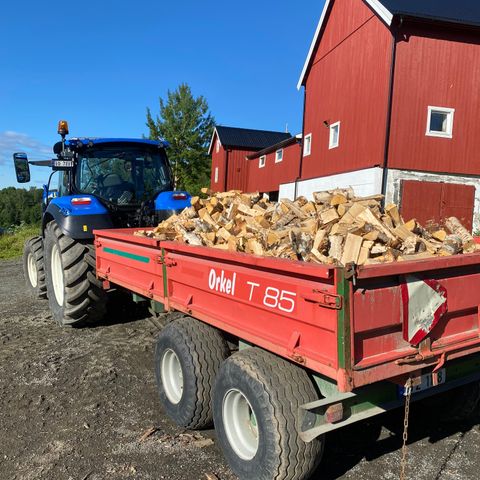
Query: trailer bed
[344,324]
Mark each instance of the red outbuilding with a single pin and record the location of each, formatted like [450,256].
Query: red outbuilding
[229,148]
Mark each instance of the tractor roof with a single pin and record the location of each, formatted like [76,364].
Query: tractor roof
[98,141]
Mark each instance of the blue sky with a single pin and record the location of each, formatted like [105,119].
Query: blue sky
[99,64]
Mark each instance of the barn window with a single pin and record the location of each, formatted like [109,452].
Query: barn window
[262,161]
[279,155]
[440,122]
[216,174]
[334,135]
[217,147]
[307,145]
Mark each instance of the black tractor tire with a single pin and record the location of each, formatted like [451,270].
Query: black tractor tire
[34,268]
[255,407]
[188,356]
[75,295]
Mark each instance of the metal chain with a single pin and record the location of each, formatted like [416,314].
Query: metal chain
[408,397]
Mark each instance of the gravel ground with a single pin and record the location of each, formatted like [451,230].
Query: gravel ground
[74,404]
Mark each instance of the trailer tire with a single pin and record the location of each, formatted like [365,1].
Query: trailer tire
[267,391]
[75,295]
[188,356]
[34,268]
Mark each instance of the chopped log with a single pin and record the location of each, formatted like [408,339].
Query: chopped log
[338,199]
[351,251]
[440,235]
[392,211]
[452,245]
[336,247]
[329,215]
[456,228]
[411,225]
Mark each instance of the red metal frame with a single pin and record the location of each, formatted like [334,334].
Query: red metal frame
[349,331]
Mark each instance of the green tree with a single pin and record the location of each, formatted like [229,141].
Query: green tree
[187,124]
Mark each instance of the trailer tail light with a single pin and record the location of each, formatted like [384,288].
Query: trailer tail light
[81,201]
[179,196]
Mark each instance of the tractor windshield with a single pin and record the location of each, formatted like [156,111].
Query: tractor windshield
[123,175]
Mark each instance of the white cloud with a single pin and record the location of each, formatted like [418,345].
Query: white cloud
[11,142]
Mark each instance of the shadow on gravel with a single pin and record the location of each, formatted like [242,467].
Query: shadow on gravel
[122,309]
[374,438]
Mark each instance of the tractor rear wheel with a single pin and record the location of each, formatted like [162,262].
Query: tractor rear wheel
[34,267]
[75,295]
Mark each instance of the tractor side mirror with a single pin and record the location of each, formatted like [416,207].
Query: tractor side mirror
[22,168]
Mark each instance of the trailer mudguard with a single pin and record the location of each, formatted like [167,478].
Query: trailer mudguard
[77,221]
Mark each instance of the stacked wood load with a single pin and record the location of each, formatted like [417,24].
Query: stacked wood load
[335,228]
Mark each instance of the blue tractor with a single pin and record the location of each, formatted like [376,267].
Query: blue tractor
[96,183]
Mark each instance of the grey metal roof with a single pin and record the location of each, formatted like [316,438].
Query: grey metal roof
[465,12]
[248,138]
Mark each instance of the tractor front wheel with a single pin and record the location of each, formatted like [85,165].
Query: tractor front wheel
[75,295]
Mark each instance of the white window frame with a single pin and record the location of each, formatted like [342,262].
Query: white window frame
[331,142]
[216,174]
[279,155]
[218,145]
[262,161]
[450,117]
[307,142]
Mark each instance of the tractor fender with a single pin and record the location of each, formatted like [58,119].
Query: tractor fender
[77,221]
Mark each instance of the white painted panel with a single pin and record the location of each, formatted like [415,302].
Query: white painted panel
[287,190]
[364,182]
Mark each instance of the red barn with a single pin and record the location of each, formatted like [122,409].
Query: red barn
[392,105]
[229,148]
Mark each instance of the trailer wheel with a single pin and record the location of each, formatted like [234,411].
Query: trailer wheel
[255,408]
[34,267]
[188,356]
[75,295]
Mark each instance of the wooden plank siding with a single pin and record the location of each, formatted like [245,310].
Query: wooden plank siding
[269,178]
[232,168]
[348,82]
[439,68]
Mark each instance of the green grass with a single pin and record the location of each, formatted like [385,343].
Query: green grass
[11,243]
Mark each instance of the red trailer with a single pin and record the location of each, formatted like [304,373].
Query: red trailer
[281,352]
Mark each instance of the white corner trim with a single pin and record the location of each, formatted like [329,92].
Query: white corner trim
[380,10]
[211,141]
[314,43]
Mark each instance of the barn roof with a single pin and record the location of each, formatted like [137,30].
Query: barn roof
[247,138]
[462,12]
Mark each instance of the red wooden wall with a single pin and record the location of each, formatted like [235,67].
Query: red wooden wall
[348,82]
[439,68]
[235,162]
[432,201]
[269,178]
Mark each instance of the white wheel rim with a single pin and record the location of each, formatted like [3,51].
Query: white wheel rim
[57,275]
[32,270]
[240,424]
[172,376]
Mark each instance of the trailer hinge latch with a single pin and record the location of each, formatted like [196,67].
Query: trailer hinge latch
[324,299]
[168,262]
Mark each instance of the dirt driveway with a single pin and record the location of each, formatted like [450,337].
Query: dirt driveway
[74,404]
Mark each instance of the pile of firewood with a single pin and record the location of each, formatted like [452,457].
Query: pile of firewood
[335,228]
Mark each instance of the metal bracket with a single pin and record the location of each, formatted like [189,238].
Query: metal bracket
[325,299]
